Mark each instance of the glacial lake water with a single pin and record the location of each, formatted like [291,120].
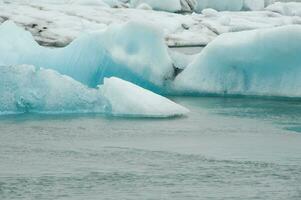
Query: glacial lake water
[226,148]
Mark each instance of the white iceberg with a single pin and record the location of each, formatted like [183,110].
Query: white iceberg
[254,4]
[230,5]
[199,5]
[128,99]
[261,62]
[170,5]
[58,24]
[134,51]
[27,88]
[288,9]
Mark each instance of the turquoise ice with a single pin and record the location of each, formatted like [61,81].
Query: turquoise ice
[134,51]
[261,62]
[29,89]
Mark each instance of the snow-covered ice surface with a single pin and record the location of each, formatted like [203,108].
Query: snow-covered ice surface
[170,5]
[199,5]
[254,4]
[27,89]
[57,24]
[224,22]
[289,8]
[231,5]
[258,62]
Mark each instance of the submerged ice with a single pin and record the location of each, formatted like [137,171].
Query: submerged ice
[27,88]
[261,62]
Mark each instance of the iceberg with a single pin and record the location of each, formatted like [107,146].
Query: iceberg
[232,5]
[229,5]
[170,5]
[90,2]
[288,9]
[254,4]
[128,99]
[29,89]
[134,51]
[260,62]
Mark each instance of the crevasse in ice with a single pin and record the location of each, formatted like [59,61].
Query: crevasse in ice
[260,62]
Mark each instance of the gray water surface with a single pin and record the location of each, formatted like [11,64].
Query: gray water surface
[227,148]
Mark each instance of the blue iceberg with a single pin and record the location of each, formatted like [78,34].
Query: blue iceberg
[86,76]
[261,62]
[231,5]
[134,51]
[29,89]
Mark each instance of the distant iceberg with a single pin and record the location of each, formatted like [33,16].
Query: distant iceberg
[170,5]
[29,89]
[134,51]
[287,8]
[231,5]
[261,62]
[199,5]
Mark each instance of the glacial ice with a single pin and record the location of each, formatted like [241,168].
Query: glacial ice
[26,88]
[230,5]
[90,2]
[199,5]
[259,62]
[58,24]
[181,60]
[128,99]
[254,4]
[289,8]
[134,51]
[170,5]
